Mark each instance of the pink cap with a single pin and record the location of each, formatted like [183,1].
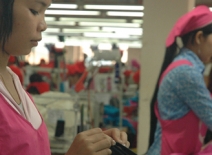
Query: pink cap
[197,18]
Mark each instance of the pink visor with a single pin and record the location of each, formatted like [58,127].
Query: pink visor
[195,19]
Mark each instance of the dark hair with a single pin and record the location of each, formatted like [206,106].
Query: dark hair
[6,20]
[33,90]
[35,77]
[170,54]
[190,36]
[209,85]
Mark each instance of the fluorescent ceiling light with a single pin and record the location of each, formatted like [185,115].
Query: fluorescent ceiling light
[60,23]
[50,18]
[140,21]
[126,14]
[63,6]
[114,7]
[63,34]
[93,20]
[94,40]
[135,45]
[52,30]
[131,31]
[134,37]
[72,12]
[106,35]
[80,30]
[100,39]
[130,44]
[109,24]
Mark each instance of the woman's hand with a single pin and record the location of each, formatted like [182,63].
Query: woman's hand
[118,136]
[93,142]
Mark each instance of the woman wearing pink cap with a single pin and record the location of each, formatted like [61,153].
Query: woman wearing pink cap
[182,104]
[22,128]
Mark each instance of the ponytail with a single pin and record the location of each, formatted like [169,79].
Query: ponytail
[209,85]
[170,53]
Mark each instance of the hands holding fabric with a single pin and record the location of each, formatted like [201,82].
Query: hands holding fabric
[97,142]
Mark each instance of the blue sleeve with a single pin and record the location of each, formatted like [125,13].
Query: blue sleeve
[192,90]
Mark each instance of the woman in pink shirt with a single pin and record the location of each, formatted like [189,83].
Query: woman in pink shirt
[22,129]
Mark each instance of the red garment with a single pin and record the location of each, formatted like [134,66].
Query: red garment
[18,136]
[80,66]
[75,68]
[127,73]
[105,69]
[18,72]
[79,85]
[12,59]
[49,65]
[41,86]
[178,137]
[71,69]
[136,77]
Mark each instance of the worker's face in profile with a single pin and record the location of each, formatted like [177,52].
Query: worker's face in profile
[206,49]
[28,23]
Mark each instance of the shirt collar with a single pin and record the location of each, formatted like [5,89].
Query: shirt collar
[193,58]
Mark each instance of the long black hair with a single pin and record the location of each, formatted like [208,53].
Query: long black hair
[6,20]
[170,54]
